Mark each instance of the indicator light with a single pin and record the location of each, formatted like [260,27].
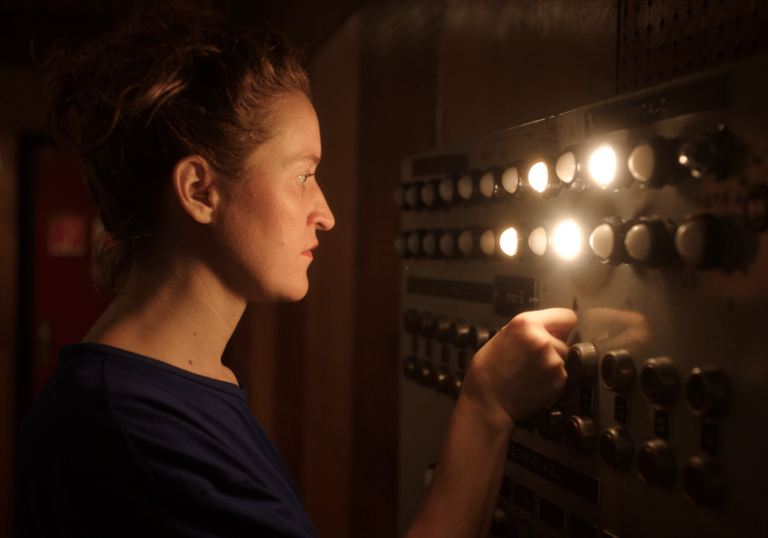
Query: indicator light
[654,162]
[567,239]
[607,241]
[608,167]
[543,179]
[511,179]
[447,190]
[569,168]
[602,165]
[537,241]
[508,242]
[488,242]
[490,184]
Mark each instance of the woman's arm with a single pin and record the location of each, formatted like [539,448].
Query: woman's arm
[518,371]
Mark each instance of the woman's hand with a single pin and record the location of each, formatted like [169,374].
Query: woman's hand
[521,368]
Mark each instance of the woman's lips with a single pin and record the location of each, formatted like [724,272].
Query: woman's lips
[308,252]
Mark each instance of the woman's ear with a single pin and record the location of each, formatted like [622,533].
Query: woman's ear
[193,184]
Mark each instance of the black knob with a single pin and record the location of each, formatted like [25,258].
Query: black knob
[439,379]
[707,392]
[648,242]
[617,370]
[607,241]
[410,367]
[658,380]
[718,154]
[654,162]
[581,362]
[699,241]
[550,423]
[704,481]
[454,385]
[479,334]
[615,446]
[442,329]
[656,463]
[580,433]
[424,373]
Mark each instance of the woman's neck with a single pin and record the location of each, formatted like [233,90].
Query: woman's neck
[181,315]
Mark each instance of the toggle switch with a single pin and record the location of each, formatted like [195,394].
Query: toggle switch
[459,336]
[720,154]
[479,334]
[550,423]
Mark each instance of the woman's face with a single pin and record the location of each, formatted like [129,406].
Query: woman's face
[271,217]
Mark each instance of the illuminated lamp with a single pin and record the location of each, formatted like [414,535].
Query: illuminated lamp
[512,180]
[543,179]
[490,184]
[570,168]
[568,239]
[608,167]
[538,241]
[509,242]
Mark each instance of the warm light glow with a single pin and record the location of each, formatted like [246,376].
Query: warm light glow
[508,242]
[567,239]
[488,242]
[602,165]
[538,177]
[566,167]
[538,241]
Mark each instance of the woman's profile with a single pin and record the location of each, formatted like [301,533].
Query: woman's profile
[200,144]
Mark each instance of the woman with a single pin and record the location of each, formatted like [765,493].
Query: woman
[200,144]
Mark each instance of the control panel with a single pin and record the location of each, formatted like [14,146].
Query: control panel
[646,215]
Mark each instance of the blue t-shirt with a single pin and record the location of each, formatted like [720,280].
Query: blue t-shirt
[118,444]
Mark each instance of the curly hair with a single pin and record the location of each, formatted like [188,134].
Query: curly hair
[170,82]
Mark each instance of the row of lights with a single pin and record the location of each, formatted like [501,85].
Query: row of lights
[648,241]
[653,162]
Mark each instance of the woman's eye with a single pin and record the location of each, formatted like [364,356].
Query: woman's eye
[303,178]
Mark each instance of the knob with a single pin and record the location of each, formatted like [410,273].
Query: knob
[617,370]
[607,241]
[704,481]
[429,245]
[490,184]
[413,195]
[581,362]
[615,446]
[500,524]
[468,187]
[656,463]
[550,423]
[448,247]
[707,392]
[570,166]
[410,367]
[648,243]
[654,162]
[412,321]
[447,190]
[424,373]
[487,243]
[459,333]
[580,433]
[511,180]
[442,329]
[699,241]
[427,325]
[479,334]
[454,386]
[414,243]
[439,379]
[429,194]
[716,154]
[468,244]
[658,380]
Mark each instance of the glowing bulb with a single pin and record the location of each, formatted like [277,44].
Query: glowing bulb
[508,242]
[510,180]
[566,167]
[488,242]
[538,177]
[602,165]
[538,241]
[567,239]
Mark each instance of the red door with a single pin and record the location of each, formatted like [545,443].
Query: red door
[65,227]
